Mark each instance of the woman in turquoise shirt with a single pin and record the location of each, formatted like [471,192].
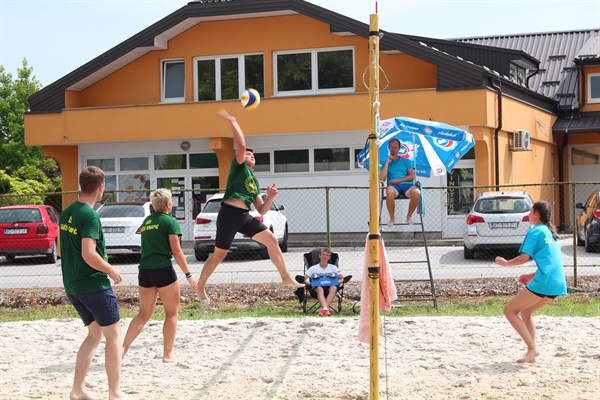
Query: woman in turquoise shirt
[547,282]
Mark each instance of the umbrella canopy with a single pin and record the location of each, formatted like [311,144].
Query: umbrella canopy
[434,147]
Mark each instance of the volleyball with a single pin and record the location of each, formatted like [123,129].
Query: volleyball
[250,99]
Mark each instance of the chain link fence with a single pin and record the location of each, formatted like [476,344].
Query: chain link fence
[337,217]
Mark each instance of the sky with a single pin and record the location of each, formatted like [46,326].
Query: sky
[58,36]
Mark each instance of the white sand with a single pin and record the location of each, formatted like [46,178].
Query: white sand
[316,358]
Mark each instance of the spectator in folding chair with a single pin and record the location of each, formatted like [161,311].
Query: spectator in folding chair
[323,280]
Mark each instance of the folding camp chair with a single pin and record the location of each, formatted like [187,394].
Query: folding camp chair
[308,292]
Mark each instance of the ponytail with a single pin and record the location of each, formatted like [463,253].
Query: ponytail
[543,209]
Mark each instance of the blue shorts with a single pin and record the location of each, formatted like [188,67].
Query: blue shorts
[161,277]
[100,306]
[402,188]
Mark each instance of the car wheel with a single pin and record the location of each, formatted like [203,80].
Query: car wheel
[284,244]
[588,247]
[580,242]
[51,258]
[264,253]
[468,253]
[201,255]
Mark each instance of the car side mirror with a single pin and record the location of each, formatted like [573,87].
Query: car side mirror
[579,205]
[280,207]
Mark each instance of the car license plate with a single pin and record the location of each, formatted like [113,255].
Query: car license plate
[499,225]
[15,231]
[113,229]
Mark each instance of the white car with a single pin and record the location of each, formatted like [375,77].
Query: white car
[498,220]
[121,223]
[205,229]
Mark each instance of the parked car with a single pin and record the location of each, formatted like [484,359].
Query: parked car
[588,223]
[205,229]
[121,223]
[28,230]
[498,220]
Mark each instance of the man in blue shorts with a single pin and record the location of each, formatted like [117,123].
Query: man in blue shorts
[85,273]
[400,175]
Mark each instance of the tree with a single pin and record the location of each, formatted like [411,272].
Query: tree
[13,105]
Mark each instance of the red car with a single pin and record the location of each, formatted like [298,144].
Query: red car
[28,230]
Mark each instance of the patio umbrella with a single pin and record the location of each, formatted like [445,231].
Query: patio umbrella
[434,147]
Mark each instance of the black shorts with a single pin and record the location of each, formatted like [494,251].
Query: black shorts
[232,220]
[162,277]
[541,295]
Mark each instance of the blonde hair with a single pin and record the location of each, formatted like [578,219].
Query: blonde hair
[160,198]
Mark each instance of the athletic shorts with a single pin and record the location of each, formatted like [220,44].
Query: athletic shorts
[161,277]
[402,188]
[100,306]
[232,220]
[541,295]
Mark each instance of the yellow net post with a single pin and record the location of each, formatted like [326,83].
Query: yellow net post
[374,234]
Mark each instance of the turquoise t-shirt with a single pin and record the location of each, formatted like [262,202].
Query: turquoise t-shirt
[549,277]
[399,169]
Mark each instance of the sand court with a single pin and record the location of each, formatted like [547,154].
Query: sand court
[315,358]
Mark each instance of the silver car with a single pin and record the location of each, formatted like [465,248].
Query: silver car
[498,220]
[121,223]
[205,229]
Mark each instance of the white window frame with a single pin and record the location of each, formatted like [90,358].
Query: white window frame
[314,74]
[217,60]
[591,99]
[163,80]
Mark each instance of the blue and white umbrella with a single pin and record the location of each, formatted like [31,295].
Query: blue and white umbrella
[434,147]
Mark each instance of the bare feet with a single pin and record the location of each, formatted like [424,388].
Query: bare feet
[529,357]
[291,282]
[410,221]
[169,359]
[81,395]
[390,223]
[202,296]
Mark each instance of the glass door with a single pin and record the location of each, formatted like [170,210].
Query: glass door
[200,186]
[176,184]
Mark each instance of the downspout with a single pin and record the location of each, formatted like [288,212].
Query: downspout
[496,132]
[534,73]
[561,173]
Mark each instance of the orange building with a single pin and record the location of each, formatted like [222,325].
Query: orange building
[146,110]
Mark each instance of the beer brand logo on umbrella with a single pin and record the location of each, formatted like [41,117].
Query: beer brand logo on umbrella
[445,144]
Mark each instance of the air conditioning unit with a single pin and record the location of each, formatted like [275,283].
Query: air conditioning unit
[521,141]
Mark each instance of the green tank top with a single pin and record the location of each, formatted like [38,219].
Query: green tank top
[241,183]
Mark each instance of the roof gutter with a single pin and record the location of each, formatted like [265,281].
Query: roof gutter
[498,90]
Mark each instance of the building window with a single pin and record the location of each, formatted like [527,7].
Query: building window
[173,81]
[105,164]
[262,162]
[593,88]
[203,160]
[133,164]
[337,159]
[517,74]
[136,186]
[291,161]
[224,78]
[170,161]
[314,71]
[585,155]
